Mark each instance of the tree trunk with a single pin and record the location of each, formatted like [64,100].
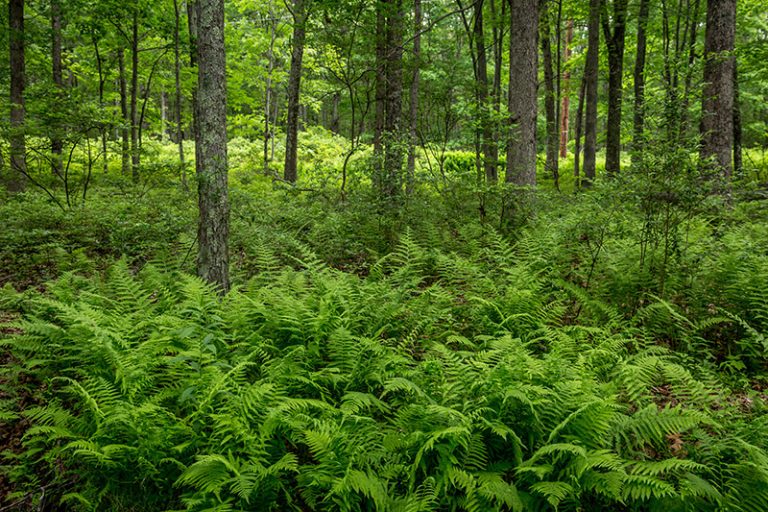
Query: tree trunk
[392,136]
[614,40]
[717,103]
[577,135]
[16,180]
[294,87]
[380,86]
[414,104]
[135,158]
[178,98]
[498,57]
[565,101]
[551,163]
[103,127]
[213,227]
[738,160]
[638,136]
[192,17]
[125,129]
[590,92]
[523,81]
[56,143]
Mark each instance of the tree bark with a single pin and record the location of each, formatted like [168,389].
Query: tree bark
[577,135]
[192,24]
[392,137]
[125,128]
[551,163]
[590,92]
[638,137]
[178,98]
[414,103]
[16,179]
[614,40]
[294,87]
[135,158]
[213,201]
[56,142]
[717,102]
[738,157]
[490,156]
[523,81]
[565,100]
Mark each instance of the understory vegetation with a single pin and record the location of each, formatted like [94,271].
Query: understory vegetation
[608,354]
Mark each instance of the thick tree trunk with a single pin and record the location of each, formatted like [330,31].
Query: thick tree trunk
[16,179]
[392,133]
[56,143]
[551,163]
[213,227]
[718,94]
[414,104]
[178,97]
[614,40]
[523,58]
[135,158]
[565,100]
[125,132]
[638,137]
[294,87]
[590,92]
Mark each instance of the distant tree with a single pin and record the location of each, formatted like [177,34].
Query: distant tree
[299,12]
[17,177]
[718,95]
[213,200]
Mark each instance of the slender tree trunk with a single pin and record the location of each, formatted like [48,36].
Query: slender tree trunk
[590,78]
[135,158]
[103,127]
[523,81]
[551,162]
[380,85]
[639,113]
[178,97]
[268,90]
[718,95]
[738,161]
[56,143]
[499,20]
[614,39]
[125,129]
[294,87]
[483,96]
[414,104]
[192,24]
[565,101]
[579,125]
[16,180]
[684,116]
[213,201]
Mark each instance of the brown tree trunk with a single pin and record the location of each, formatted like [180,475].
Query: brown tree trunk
[523,58]
[738,157]
[213,202]
[565,100]
[638,136]
[294,87]
[499,20]
[192,16]
[717,102]
[56,143]
[485,109]
[614,40]
[577,135]
[380,86]
[414,106]
[551,163]
[590,92]
[16,179]
[125,132]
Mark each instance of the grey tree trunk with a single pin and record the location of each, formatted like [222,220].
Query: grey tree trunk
[590,93]
[638,136]
[192,16]
[56,143]
[565,100]
[738,157]
[178,98]
[125,129]
[614,40]
[488,143]
[135,157]
[16,179]
[213,199]
[523,59]
[393,140]
[551,162]
[294,88]
[718,94]
[577,135]
[414,104]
